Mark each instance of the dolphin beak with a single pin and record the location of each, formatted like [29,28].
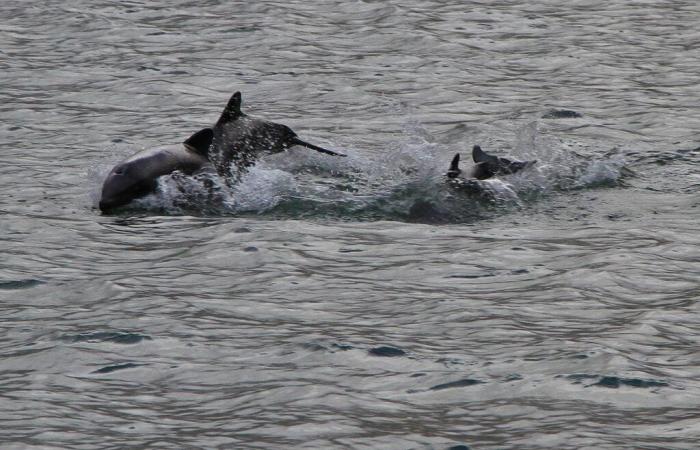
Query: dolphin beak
[297,141]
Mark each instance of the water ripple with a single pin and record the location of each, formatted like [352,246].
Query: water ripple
[354,303]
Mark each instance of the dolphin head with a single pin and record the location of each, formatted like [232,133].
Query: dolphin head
[273,137]
[276,138]
[254,135]
[125,182]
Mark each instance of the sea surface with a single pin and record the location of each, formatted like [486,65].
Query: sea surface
[359,302]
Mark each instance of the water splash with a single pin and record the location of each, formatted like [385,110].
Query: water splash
[403,181]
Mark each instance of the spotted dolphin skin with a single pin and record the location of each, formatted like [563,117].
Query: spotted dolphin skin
[235,141]
[240,139]
[137,175]
[485,166]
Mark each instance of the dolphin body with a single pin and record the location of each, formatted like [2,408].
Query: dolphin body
[485,166]
[235,140]
[240,139]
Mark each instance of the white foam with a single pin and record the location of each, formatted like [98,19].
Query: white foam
[385,178]
[261,189]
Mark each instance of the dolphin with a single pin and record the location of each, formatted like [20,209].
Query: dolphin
[240,139]
[235,140]
[137,175]
[485,166]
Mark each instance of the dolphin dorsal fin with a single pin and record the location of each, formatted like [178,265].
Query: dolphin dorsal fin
[232,110]
[481,156]
[200,141]
[489,165]
[454,165]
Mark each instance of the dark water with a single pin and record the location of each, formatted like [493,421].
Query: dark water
[357,302]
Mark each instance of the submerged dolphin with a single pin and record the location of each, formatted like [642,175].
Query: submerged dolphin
[485,166]
[240,139]
[235,139]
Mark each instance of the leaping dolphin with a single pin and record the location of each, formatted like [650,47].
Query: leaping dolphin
[235,139]
[485,166]
[240,139]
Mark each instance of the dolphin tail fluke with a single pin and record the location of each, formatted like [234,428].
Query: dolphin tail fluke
[200,141]
[297,141]
[454,170]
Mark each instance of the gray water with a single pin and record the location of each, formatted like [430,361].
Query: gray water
[355,302]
